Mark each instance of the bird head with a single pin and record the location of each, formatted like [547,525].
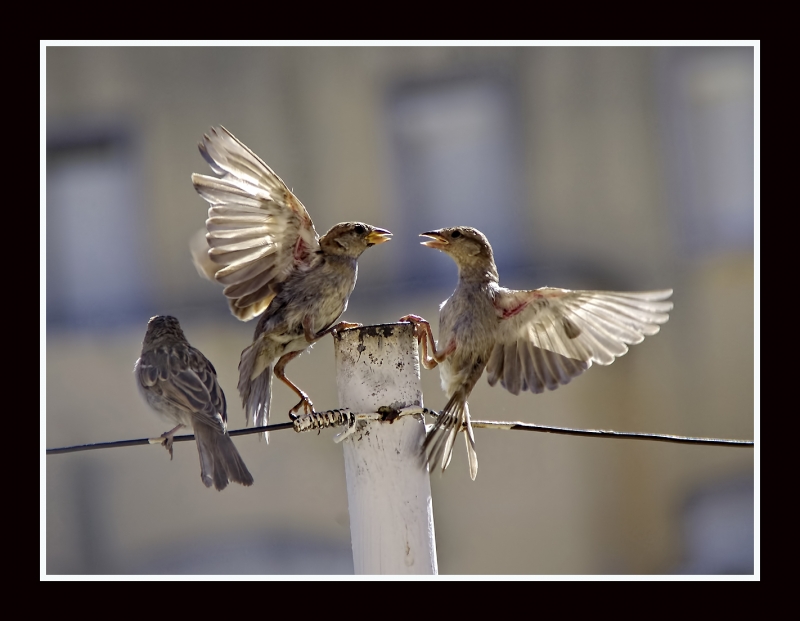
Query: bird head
[162,327]
[468,247]
[352,238]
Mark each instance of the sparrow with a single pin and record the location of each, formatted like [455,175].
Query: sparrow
[180,384]
[261,244]
[527,340]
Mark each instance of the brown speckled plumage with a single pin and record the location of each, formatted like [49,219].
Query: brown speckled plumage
[180,384]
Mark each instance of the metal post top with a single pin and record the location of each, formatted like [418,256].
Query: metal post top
[377,365]
[377,330]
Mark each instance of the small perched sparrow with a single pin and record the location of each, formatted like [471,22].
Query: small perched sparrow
[528,340]
[261,244]
[180,383]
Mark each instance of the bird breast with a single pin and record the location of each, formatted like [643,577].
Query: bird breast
[320,294]
[468,318]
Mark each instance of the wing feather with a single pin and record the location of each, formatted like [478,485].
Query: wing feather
[258,232]
[549,336]
[256,284]
[494,367]
[511,369]
[263,295]
[188,380]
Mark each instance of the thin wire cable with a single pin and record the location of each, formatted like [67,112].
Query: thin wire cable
[332,418]
[596,433]
[184,438]
[601,433]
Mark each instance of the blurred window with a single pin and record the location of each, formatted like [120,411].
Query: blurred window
[708,97]
[455,162]
[719,528]
[94,250]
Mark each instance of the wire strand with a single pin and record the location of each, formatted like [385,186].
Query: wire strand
[139,441]
[343,417]
[601,433]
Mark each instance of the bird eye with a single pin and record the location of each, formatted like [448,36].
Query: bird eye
[359,229]
[455,234]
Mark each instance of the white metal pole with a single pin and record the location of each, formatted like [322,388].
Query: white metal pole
[388,488]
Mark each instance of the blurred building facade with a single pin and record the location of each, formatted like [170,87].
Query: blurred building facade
[615,168]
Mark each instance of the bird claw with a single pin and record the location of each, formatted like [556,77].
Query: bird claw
[306,404]
[166,442]
[417,321]
[344,325]
[166,439]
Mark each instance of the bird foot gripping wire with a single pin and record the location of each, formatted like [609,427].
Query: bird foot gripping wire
[166,439]
[347,419]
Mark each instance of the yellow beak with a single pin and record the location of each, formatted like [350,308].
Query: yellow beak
[378,236]
[437,240]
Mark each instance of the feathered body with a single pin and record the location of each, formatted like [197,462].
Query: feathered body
[180,383]
[466,325]
[309,302]
[261,244]
[280,329]
[527,340]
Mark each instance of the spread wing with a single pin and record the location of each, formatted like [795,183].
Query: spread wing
[258,232]
[548,336]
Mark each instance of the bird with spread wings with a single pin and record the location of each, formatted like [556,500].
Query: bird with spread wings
[260,243]
[532,340]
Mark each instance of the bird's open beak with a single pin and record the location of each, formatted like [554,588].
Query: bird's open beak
[378,236]
[437,240]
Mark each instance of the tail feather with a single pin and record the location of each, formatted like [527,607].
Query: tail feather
[255,392]
[232,461]
[438,445]
[220,462]
[258,400]
[206,452]
[469,437]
